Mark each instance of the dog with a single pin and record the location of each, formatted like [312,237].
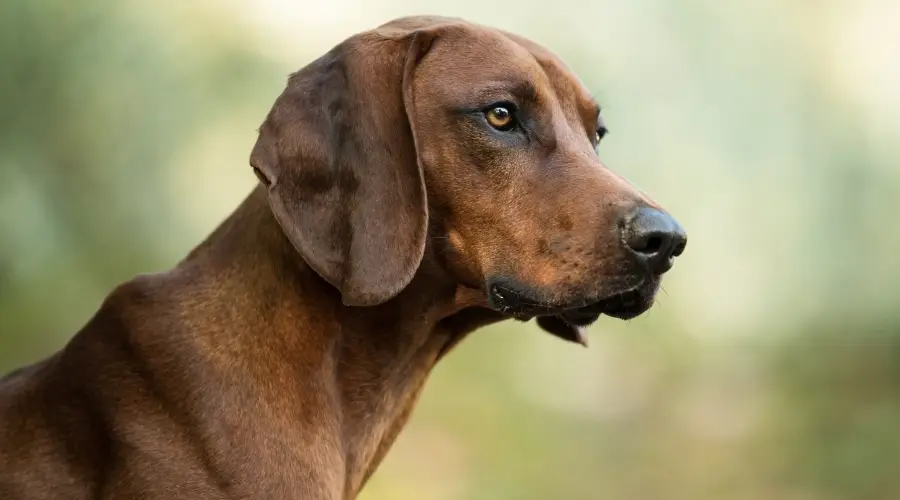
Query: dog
[417,182]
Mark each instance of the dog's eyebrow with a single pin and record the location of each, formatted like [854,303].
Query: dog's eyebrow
[521,89]
[594,111]
[596,107]
[526,90]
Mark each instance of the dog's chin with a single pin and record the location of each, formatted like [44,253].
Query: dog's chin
[625,305]
[569,321]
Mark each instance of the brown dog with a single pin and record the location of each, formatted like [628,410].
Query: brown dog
[419,181]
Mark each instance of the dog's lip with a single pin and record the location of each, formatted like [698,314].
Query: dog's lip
[569,320]
[527,308]
[571,324]
[617,305]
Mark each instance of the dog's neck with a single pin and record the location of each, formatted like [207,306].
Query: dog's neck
[279,315]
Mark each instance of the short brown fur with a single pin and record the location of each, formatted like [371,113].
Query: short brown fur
[282,357]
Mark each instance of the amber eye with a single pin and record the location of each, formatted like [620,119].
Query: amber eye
[500,117]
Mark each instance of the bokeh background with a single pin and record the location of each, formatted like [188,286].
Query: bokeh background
[770,370]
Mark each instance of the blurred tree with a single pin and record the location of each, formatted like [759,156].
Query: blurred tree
[96,99]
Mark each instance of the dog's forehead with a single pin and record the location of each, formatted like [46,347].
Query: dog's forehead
[476,55]
[565,81]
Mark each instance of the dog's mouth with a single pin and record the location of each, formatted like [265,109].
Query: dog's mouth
[569,321]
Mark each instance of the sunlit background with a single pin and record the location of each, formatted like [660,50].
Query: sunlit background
[770,370]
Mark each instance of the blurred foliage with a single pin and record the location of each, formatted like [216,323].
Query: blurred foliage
[770,368]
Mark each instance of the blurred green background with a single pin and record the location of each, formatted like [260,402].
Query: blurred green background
[770,370]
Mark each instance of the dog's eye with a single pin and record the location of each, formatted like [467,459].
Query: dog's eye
[501,117]
[599,135]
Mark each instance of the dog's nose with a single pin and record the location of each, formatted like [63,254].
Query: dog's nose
[655,237]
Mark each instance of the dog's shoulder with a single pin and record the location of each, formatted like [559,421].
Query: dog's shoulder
[63,418]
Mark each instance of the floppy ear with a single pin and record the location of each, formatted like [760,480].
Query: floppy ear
[338,155]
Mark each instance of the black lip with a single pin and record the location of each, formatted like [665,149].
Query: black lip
[519,302]
[570,325]
[625,305]
[579,317]
[568,321]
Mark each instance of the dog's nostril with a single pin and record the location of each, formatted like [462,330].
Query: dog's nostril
[679,249]
[652,245]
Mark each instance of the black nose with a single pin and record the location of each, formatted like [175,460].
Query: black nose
[655,237]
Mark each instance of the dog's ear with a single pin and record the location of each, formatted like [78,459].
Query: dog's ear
[338,155]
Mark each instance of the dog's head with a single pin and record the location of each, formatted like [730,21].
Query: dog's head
[479,139]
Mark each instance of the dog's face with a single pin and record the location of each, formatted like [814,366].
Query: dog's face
[508,139]
[479,139]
